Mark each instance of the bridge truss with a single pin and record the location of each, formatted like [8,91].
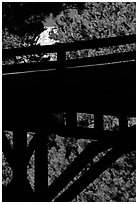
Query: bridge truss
[32,92]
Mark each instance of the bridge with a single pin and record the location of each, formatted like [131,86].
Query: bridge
[31,92]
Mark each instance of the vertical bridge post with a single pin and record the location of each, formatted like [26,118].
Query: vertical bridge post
[20,164]
[61,59]
[71,119]
[98,123]
[123,126]
[41,168]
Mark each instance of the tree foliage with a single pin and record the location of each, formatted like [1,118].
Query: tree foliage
[75,21]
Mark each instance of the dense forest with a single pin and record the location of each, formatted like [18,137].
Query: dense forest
[76,22]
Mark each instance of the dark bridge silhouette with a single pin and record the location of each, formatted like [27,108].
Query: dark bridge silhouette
[32,92]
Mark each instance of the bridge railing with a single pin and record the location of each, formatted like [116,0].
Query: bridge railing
[97,43]
[62,49]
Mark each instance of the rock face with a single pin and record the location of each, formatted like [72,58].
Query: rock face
[48,37]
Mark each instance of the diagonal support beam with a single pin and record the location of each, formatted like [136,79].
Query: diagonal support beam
[119,148]
[75,167]
[89,176]
[7,150]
